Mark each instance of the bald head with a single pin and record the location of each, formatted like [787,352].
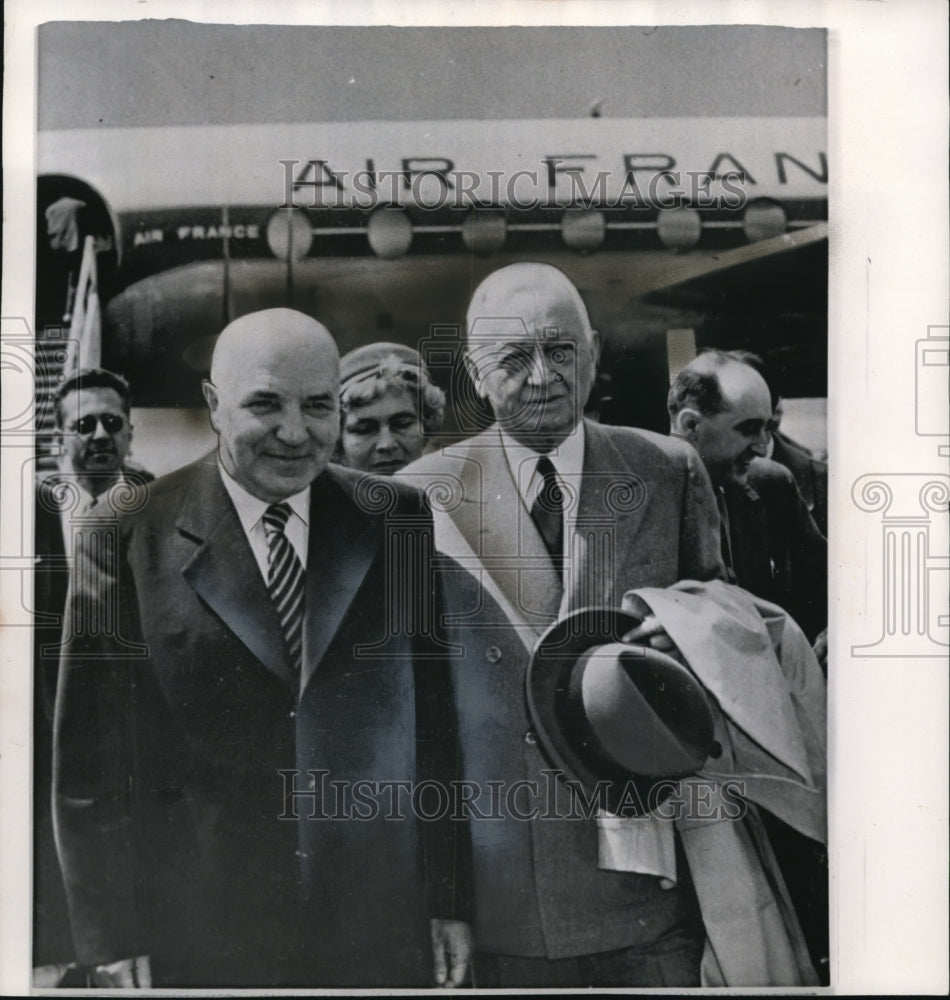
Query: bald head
[273,391]
[531,352]
[522,291]
[723,407]
[265,334]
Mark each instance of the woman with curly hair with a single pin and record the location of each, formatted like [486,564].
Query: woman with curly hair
[388,407]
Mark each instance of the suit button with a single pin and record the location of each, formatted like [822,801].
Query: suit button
[493,654]
[531,738]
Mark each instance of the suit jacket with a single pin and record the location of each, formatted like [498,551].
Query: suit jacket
[810,474]
[778,553]
[54,494]
[646,516]
[52,939]
[182,736]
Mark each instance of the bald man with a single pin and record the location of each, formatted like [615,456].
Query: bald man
[770,543]
[546,513]
[225,736]
[772,547]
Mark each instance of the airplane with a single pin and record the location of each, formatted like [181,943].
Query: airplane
[679,232]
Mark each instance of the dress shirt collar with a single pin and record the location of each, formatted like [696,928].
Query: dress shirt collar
[567,458]
[250,509]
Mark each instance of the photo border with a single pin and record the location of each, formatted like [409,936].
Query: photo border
[888,290]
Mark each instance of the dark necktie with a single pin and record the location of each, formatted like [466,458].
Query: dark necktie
[285,580]
[547,512]
[725,536]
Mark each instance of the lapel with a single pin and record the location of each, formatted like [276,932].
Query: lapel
[498,528]
[613,502]
[343,542]
[51,567]
[224,572]
[47,524]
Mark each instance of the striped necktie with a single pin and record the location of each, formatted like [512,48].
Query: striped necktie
[285,580]
[547,512]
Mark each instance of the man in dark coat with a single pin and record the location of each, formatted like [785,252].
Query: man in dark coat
[771,547]
[247,682]
[770,542]
[93,426]
[810,474]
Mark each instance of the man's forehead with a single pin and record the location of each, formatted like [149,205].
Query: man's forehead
[536,321]
[302,381]
[94,398]
[747,407]
[501,331]
[534,307]
[298,388]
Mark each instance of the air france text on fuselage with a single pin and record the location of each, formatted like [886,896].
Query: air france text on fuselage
[637,180]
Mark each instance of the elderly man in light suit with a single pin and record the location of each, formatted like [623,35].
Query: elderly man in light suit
[229,664]
[541,513]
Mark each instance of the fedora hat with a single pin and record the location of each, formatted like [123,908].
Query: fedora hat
[617,717]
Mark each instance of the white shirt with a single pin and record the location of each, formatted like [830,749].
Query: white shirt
[250,511]
[568,461]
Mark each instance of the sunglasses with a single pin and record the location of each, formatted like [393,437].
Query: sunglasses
[111,422]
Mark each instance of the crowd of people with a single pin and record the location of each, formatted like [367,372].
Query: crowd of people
[286,731]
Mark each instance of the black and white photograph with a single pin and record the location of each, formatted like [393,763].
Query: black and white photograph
[443,569]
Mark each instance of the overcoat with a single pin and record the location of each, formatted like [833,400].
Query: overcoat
[810,474]
[645,515]
[778,553]
[52,938]
[205,796]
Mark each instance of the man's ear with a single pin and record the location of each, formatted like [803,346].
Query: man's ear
[210,394]
[685,423]
[595,346]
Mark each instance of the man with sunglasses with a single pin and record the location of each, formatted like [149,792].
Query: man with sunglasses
[92,410]
[95,435]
